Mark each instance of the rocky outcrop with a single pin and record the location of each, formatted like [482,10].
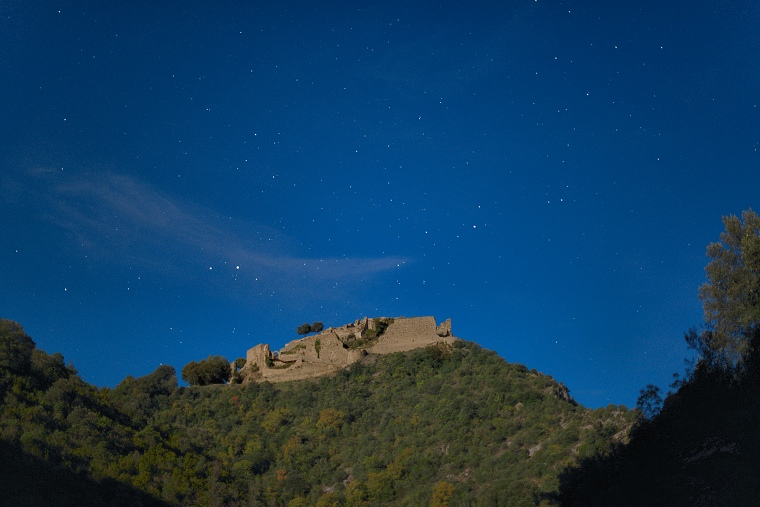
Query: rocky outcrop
[336,348]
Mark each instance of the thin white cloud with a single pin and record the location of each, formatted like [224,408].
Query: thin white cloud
[122,219]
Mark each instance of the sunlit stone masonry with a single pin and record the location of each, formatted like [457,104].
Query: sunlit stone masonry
[337,347]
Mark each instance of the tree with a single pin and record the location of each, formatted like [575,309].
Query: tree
[443,493]
[48,368]
[650,401]
[212,370]
[731,295]
[15,347]
[138,397]
[307,328]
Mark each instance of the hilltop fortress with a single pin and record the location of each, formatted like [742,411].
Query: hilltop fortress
[335,348]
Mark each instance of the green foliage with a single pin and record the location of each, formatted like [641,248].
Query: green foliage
[443,426]
[317,346]
[307,328]
[212,370]
[329,417]
[49,368]
[369,336]
[15,347]
[380,326]
[443,492]
[138,398]
[26,480]
[731,295]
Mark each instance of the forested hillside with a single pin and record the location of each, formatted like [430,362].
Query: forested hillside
[444,425]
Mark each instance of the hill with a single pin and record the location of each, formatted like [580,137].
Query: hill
[448,424]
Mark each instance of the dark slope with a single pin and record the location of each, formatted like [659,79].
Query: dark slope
[703,448]
[28,481]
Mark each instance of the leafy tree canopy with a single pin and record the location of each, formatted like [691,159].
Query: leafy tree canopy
[15,347]
[307,328]
[731,295]
[212,370]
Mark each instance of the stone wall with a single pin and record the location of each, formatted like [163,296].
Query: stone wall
[408,334]
[327,352]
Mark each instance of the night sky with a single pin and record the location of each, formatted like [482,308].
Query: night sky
[179,180]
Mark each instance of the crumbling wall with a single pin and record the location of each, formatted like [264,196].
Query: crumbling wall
[409,334]
[327,352]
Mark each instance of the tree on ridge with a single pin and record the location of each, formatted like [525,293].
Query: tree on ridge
[731,295]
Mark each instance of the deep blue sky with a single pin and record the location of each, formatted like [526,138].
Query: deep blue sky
[179,180]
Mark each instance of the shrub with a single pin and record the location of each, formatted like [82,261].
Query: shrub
[15,347]
[212,370]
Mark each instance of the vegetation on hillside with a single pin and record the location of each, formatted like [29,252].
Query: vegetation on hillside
[731,294]
[445,425]
[212,370]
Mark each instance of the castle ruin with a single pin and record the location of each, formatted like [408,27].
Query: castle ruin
[335,348]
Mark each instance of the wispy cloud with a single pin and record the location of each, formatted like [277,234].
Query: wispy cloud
[125,220]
